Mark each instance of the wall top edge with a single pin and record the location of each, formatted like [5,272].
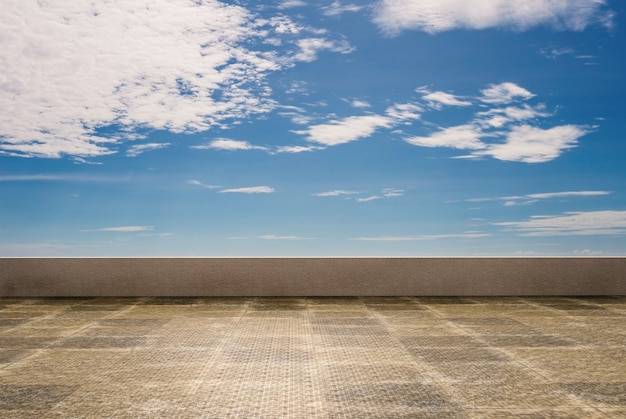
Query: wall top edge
[313,257]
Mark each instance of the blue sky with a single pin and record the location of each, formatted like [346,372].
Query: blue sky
[312,128]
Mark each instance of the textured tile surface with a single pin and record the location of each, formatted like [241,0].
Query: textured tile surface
[387,357]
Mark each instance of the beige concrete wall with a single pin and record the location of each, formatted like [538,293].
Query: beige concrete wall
[37,277]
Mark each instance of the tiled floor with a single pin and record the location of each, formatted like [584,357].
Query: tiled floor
[313,357]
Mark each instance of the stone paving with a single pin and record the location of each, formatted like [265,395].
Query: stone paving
[396,357]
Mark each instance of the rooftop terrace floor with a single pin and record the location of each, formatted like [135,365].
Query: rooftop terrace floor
[313,357]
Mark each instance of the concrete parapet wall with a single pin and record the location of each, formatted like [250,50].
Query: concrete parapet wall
[56,277]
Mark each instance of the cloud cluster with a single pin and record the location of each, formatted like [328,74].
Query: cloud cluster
[571,224]
[71,68]
[503,132]
[433,16]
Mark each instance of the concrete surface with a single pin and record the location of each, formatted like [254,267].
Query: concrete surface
[51,277]
[398,357]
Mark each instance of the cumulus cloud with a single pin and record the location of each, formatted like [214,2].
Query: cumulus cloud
[571,224]
[71,68]
[535,145]
[138,149]
[434,16]
[249,190]
[228,144]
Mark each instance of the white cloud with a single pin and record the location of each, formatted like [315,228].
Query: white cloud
[459,137]
[499,117]
[198,183]
[532,198]
[345,130]
[70,68]
[249,190]
[336,192]
[504,93]
[297,149]
[535,145]
[352,128]
[336,8]
[567,194]
[135,150]
[360,104]
[369,198]
[392,192]
[404,111]
[468,235]
[438,99]
[310,47]
[572,224]
[288,4]
[494,132]
[433,16]
[229,144]
[123,229]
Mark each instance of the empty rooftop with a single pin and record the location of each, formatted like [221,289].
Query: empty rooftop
[410,357]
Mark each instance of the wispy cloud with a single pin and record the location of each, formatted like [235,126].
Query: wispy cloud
[385,193]
[516,200]
[138,149]
[297,149]
[288,4]
[123,229]
[369,198]
[229,144]
[336,8]
[188,66]
[467,235]
[336,192]
[571,224]
[435,16]
[249,190]
[198,183]
[310,47]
